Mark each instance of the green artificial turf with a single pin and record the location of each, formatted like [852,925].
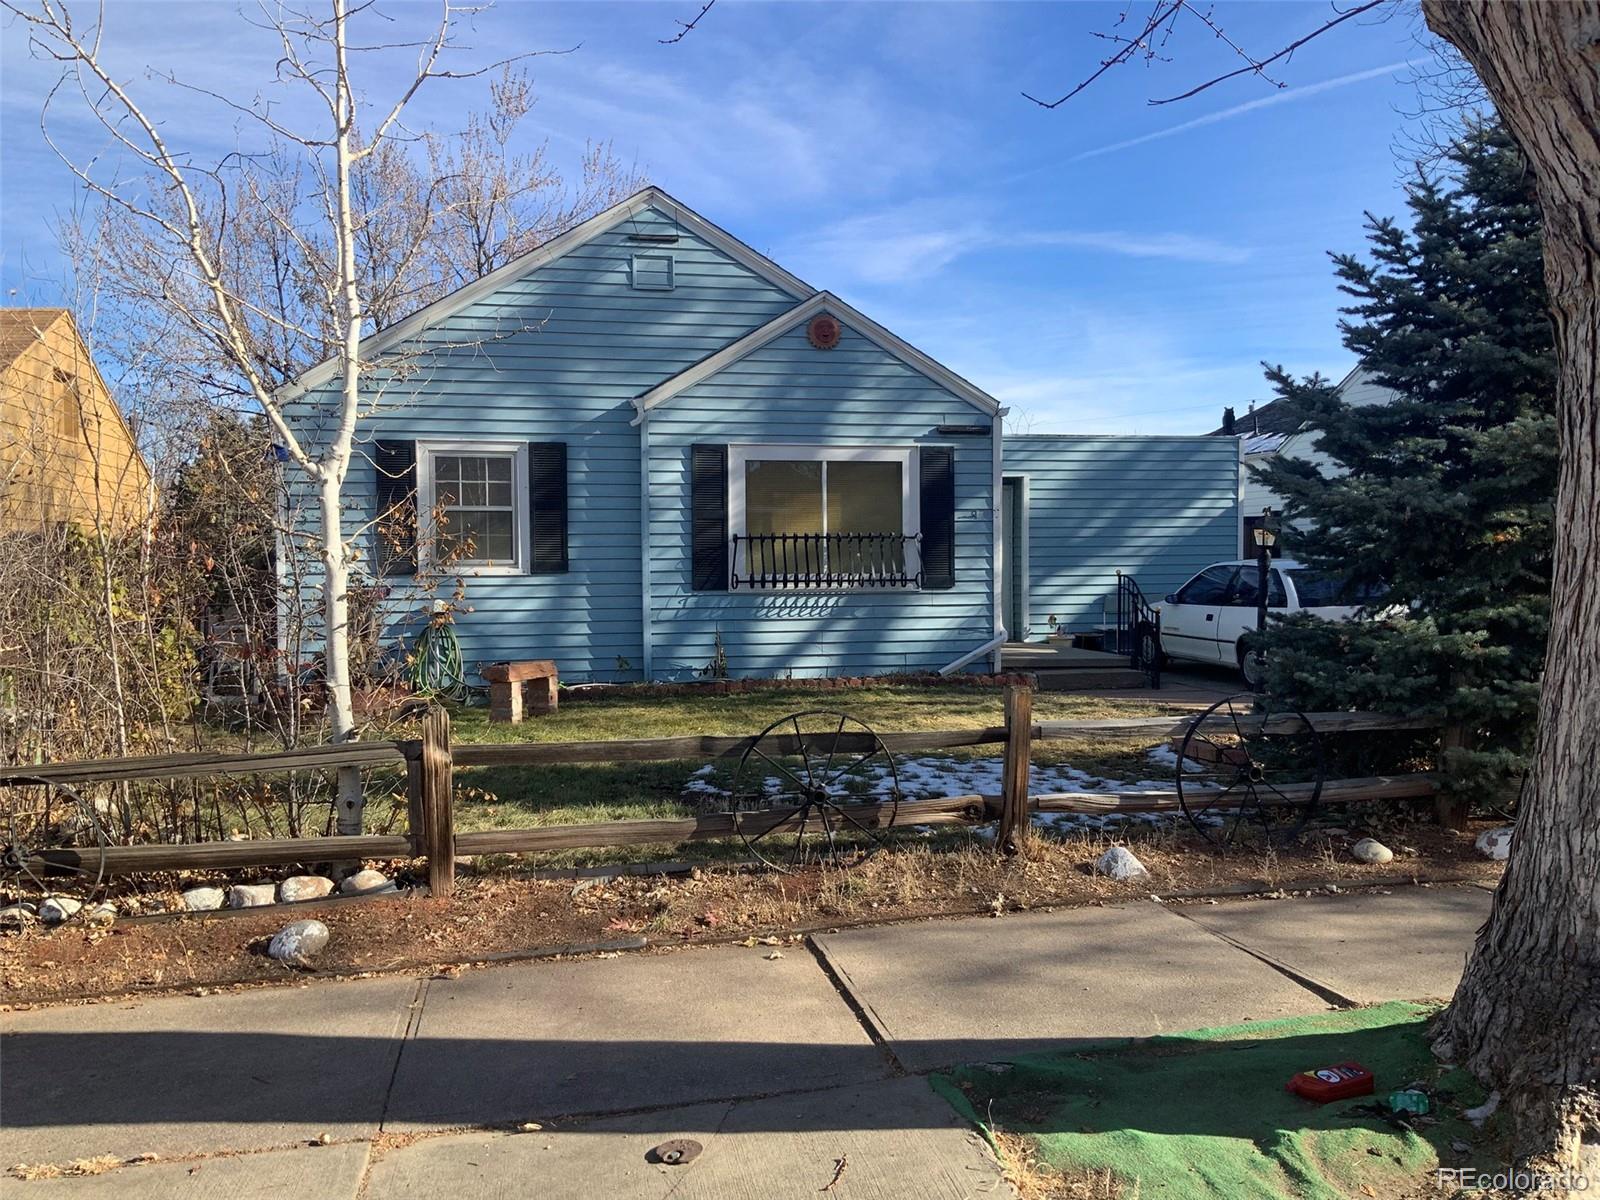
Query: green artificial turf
[1205,1114]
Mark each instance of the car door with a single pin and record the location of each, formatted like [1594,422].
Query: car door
[1239,610]
[1189,619]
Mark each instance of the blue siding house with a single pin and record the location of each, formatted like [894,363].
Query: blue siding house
[1078,510]
[647,451]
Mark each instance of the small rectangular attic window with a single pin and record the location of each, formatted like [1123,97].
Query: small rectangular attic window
[652,272]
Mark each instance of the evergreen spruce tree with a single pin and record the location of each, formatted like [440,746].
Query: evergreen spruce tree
[1447,494]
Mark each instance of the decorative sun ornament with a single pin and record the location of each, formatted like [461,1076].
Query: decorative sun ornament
[823,331]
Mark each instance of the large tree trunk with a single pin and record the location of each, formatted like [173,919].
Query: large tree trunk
[1526,1018]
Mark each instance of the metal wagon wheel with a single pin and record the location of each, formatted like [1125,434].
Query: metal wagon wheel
[1247,769]
[796,781]
[52,842]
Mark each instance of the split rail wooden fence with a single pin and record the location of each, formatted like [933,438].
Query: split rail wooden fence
[431,762]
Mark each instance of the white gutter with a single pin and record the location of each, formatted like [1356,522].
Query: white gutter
[993,644]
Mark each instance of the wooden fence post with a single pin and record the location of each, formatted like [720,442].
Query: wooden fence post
[1015,824]
[414,825]
[438,804]
[1449,806]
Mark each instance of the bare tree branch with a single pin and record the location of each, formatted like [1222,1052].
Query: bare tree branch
[687,27]
[1255,68]
[1162,20]
[1160,16]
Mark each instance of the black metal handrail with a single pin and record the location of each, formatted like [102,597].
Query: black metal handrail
[802,561]
[1138,630]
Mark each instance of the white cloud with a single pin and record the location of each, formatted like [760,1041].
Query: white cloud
[913,242]
[1286,96]
[741,141]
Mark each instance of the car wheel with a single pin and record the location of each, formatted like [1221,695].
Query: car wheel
[1149,646]
[1252,665]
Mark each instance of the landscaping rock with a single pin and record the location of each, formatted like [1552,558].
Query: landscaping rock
[18,916]
[203,899]
[1496,843]
[298,942]
[102,914]
[304,887]
[55,909]
[365,883]
[1120,863]
[1368,850]
[251,895]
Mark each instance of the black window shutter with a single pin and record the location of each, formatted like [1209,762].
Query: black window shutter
[937,468]
[547,501]
[395,463]
[708,505]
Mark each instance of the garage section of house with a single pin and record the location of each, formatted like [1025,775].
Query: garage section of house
[1077,510]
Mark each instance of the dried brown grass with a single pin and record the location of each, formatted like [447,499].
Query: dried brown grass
[98,1165]
[1035,1179]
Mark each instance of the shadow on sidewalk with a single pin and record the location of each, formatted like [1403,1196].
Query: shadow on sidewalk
[174,1078]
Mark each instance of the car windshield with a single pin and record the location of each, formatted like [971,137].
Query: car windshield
[1316,590]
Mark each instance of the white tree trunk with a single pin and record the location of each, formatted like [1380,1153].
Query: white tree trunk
[1526,1017]
[336,647]
[336,461]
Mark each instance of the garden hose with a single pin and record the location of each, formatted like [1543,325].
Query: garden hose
[436,663]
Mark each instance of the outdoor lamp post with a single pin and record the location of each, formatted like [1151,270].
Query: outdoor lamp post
[1266,538]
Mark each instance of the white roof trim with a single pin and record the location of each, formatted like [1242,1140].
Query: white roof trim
[783,323]
[478,289]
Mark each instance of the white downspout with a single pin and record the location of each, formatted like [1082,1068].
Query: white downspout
[996,498]
[993,645]
[1241,476]
[646,613]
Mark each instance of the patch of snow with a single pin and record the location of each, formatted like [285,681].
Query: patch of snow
[1165,756]
[930,776]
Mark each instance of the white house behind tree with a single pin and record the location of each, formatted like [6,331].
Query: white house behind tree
[1275,430]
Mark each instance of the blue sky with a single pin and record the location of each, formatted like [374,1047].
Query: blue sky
[1108,266]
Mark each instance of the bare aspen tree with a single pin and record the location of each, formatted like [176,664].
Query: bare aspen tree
[347,218]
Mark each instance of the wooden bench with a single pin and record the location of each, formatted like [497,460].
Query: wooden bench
[506,682]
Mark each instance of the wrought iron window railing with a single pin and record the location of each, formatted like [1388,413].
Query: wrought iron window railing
[805,561]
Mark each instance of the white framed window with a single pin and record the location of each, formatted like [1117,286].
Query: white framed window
[472,505]
[810,517]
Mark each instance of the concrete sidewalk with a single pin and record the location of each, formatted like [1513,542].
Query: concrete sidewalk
[777,1067]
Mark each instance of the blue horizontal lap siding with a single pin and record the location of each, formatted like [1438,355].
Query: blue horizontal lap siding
[855,394]
[558,356]
[1156,508]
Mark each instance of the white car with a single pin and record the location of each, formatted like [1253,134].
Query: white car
[1212,618]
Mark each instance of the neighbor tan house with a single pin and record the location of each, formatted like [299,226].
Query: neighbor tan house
[67,454]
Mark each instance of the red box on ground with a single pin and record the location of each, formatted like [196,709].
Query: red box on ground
[1338,1082]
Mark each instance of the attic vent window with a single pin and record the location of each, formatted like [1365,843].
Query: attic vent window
[652,272]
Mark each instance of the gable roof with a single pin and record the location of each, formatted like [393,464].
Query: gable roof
[784,322]
[1275,416]
[22,328]
[549,252]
